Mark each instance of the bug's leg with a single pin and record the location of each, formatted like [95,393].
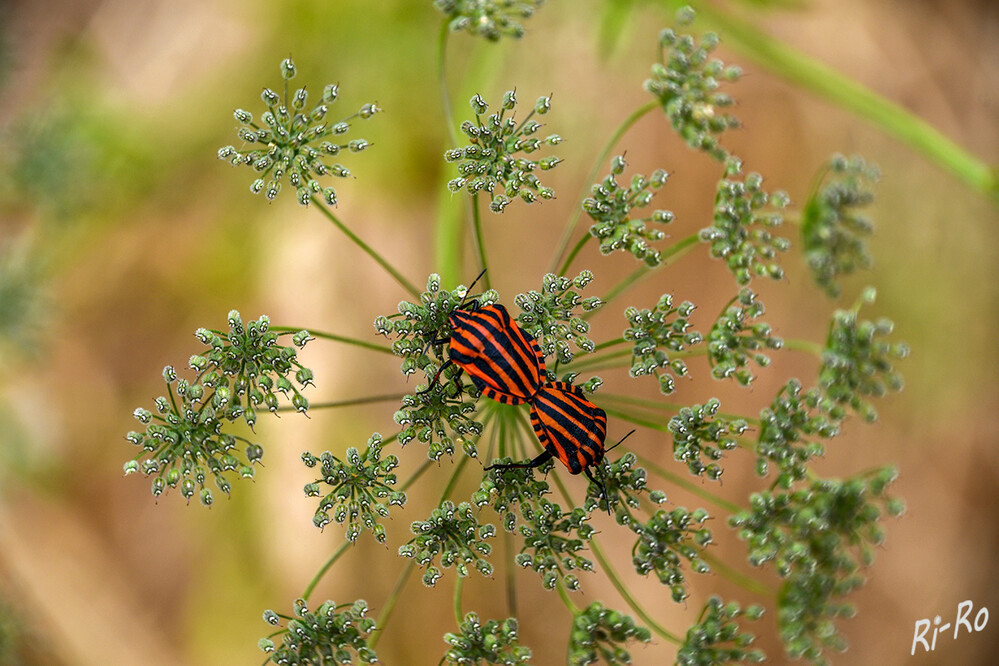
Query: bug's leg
[600,484]
[433,382]
[537,462]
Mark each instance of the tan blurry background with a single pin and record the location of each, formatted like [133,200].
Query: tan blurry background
[111,114]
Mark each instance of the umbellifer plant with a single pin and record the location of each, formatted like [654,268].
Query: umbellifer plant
[816,533]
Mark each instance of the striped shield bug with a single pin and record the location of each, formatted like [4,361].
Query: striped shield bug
[503,360]
[571,428]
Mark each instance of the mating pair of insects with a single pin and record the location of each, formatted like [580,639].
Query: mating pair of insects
[506,364]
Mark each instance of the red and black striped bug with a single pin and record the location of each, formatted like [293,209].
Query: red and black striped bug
[503,360]
[571,428]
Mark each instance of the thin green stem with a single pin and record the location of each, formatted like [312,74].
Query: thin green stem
[390,604]
[373,346]
[597,165]
[685,483]
[669,256]
[614,578]
[403,282]
[843,91]
[480,246]
[459,584]
[326,567]
[347,403]
[442,39]
[747,583]
[416,475]
[807,346]
[625,593]
[670,407]
[572,255]
[564,595]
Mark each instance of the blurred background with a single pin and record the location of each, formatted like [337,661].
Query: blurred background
[121,233]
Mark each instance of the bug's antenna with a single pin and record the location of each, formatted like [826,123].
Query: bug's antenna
[469,288]
[621,440]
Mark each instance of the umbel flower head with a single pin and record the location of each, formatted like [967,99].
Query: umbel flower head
[293,144]
[491,19]
[184,442]
[499,153]
[686,84]
[332,634]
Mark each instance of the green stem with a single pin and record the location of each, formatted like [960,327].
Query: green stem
[628,597]
[686,484]
[326,567]
[669,257]
[747,583]
[807,346]
[841,90]
[347,403]
[448,224]
[480,247]
[403,282]
[385,349]
[672,407]
[564,595]
[572,255]
[597,165]
[614,578]
[459,584]
[390,604]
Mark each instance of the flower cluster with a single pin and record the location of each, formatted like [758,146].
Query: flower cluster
[717,637]
[686,83]
[610,206]
[654,334]
[491,19]
[733,340]
[858,362]
[665,541]
[498,153]
[360,489]
[740,234]
[443,414]
[184,441]
[834,231]
[332,634]
[494,642]
[454,533]
[295,143]
[697,432]
[818,537]
[552,538]
[625,484]
[785,428]
[549,316]
[599,634]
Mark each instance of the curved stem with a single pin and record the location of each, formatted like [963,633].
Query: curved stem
[564,595]
[747,583]
[396,275]
[686,484]
[843,91]
[669,257]
[373,346]
[347,403]
[807,346]
[614,578]
[390,604]
[572,255]
[326,567]
[628,597]
[598,163]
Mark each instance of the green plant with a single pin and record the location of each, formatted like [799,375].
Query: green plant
[816,532]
